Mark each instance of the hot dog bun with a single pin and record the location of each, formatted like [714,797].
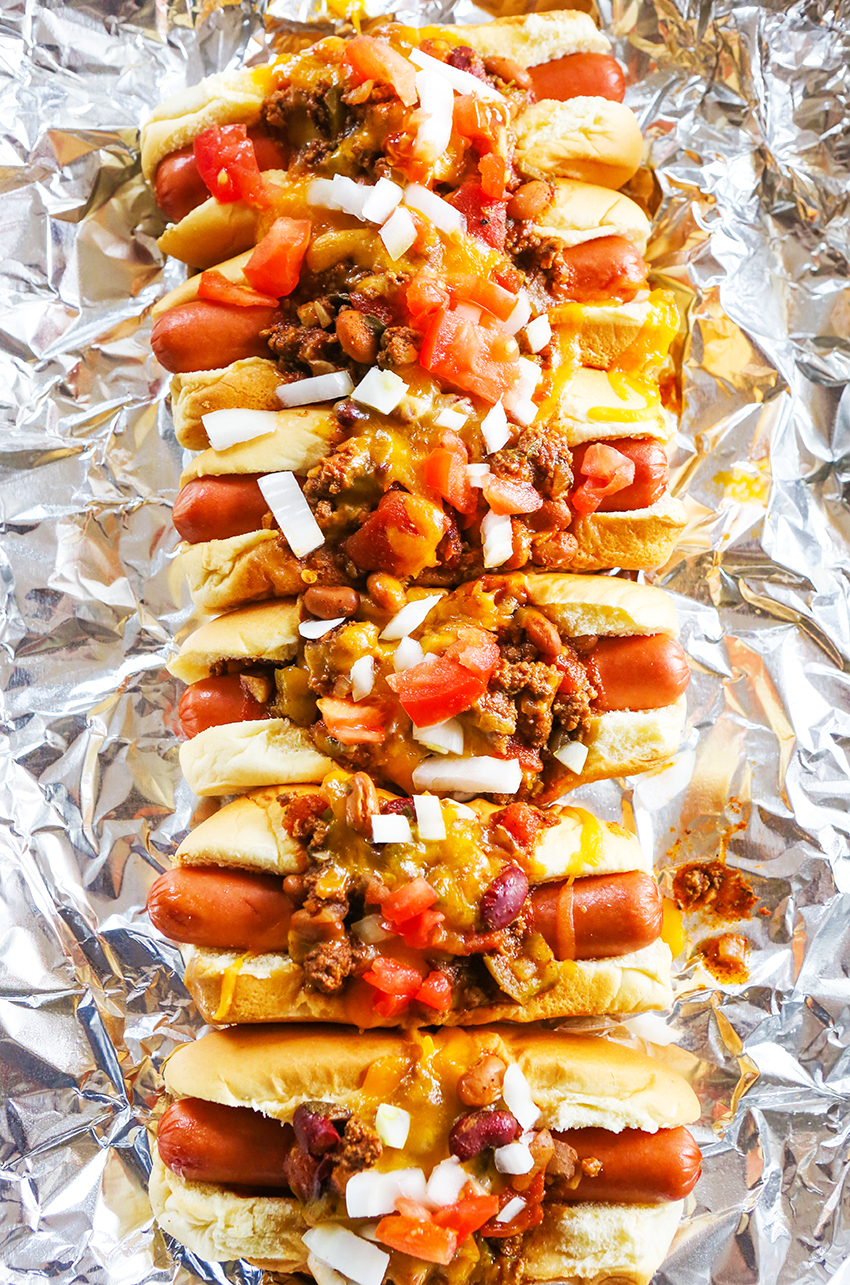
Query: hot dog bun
[534,38]
[235,757]
[583,211]
[548,135]
[574,1080]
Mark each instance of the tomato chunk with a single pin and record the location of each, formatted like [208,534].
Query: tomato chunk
[353,722]
[432,693]
[467,1215]
[215,285]
[607,471]
[423,1240]
[505,495]
[407,901]
[476,650]
[400,537]
[226,161]
[422,931]
[486,219]
[475,358]
[521,822]
[435,992]
[445,472]
[425,295]
[373,59]
[487,294]
[275,265]
[392,978]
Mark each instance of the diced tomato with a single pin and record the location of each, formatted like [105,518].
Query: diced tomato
[477,359]
[425,295]
[392,978]
[445,472]
[423,1240]
[528,759]
[412,1209]
[390,1005]
[409,900]
[400,537]
[435,992]
[373,59]
[467,1215]
[486,219]
[607,471]
[432,693]
[275,265]
[521,821]
[494,172]
[483,123]
[420,932]
[224,155]
[528,1217]
[353,722]
[504,495]
[574,672]
[487,294]
[476,650]
[215,285]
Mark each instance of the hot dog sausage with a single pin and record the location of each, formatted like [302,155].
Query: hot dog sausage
[599,916]
[607,267]
[203,335]
[214,701]
[579,76]
[637,1168]
[221,909]
[638,672]
[216,508]
[209,1142]
[179,187]
[652,473]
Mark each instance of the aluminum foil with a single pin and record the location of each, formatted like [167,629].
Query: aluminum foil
[744,110]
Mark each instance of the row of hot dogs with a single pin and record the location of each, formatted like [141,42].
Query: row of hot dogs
[424,385]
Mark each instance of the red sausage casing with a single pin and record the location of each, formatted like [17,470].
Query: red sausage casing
[203,335]
[221,909]
[643,671]
[637,1167]
[214,701]
[598,917]
[606,267]
[217,508]
[236,1146]
[579,76]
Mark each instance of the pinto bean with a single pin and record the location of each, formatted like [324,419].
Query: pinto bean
[478,1130]
[481,1085]
[544,634]
[362,803]
[386,592]
[359,340]
[530,200]
[330,601]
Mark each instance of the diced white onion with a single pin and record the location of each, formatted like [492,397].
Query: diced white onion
[351,196]
[451,419]
[356,1258]
[463,81]
[520,315]
[514,1158]
[371,930]
[321,192]
[511,1209]
[369,1194]
[392,1125]
[292,512]
[362,677]
[318,628]
[436,101]
[323,1274]
[497,538]
[524,411]
[407,654]
[410,617]
[429,817]
[398,234]
[516,1092]
[477,473]
[446,1183]
[391,828]
[530,373]
[573,755]
[463,811]
[442,215]
[381,390]
[227,427]
[495,429]
[538,332]
[441,738]
[320,388]
[495,776]
[468,312]
[382,200]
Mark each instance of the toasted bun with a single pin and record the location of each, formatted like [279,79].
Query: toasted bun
[583,212]
[270,988]
[590,139]
[300,441]
[535,38]
[587,402]
[250,384]
[578,1245]
[265,632]
[226,98]
[211,232]
[636,540]
[244,568]
[242,756]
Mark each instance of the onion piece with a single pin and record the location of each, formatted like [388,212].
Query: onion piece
[410,617]
[320,388]
[446,1182]
[227,427]
[497,536]
[441,738]
[391,828]
[442,215]
[292,512]
[323,1274]
[369,1194]
[511,1209]
[318,628]
[463,81]
[520,314]
[524,412]
[514,1158]
[321,192]
[450,418]
[382,200]
[436,101]
[538,333]
[371,930]
[380,390]
[351,196]
[357,1259]
[573,755]
[362,676]
[407,654]
[495,429]
[392,1125]
[516,1092]
[481,772]
[398,234]
[429,817]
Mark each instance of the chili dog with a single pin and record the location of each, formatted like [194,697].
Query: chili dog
[518,722]
[423,930]
[598,1129]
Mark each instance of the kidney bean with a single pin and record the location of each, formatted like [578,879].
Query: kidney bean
[504,898]
[305,1174]
[329,601]
[314,1128]
[478,1130]
[481,1085]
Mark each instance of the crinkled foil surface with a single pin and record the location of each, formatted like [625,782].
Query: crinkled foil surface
[744,107]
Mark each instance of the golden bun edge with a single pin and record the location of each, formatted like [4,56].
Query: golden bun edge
[579,1245]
